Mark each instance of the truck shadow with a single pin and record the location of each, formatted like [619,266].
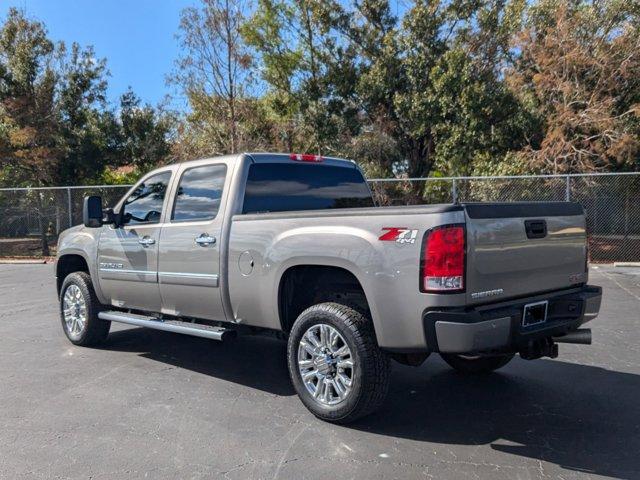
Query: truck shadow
[582,418]
[579,417]
[257,362]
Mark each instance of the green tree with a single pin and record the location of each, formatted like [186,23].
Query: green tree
[29,131]
[55,125]
[431,82]
[88,132]
[213,72]
[403,96]
[29,128]
[144,134]
[305,70]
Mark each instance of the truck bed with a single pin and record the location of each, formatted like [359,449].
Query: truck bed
[502,262]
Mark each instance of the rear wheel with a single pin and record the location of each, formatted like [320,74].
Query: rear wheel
[79,308]
[335,363]
[476,364]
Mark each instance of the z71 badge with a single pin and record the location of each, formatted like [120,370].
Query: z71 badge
[399,235]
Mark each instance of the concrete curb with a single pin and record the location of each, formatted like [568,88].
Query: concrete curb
[26,261]
[626,264]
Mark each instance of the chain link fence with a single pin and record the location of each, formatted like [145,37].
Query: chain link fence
[611,202]
[32,218]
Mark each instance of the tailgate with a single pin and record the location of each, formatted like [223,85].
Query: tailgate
[517,249]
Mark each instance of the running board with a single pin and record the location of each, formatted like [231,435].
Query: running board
[175,326]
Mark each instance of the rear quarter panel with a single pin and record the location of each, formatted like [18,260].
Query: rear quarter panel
[387,270]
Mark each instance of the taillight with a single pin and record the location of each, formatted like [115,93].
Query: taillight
[443,258]
[305,157]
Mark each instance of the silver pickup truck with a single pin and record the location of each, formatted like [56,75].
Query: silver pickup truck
[293,245]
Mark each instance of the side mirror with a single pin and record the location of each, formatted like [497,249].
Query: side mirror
[92,212]
[109,218]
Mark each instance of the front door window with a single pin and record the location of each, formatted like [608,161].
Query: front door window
[144,204]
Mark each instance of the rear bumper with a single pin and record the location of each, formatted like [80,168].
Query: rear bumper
[498,327]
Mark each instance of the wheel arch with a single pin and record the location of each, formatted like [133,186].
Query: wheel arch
[304,284]
[67,264]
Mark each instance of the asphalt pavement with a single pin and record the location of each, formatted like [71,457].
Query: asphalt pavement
[151,404]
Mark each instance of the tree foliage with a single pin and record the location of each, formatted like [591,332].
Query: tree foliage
[28,80]
[409,89]
[401,95]
[56,127]
[455,87]
[579,72]
[214,73]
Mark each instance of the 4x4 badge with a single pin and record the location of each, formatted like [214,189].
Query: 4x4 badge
[399,235]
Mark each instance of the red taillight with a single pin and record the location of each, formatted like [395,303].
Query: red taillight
[443,256]
[305,157]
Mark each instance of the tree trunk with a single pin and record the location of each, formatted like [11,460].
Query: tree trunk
[420,163]
[231,86]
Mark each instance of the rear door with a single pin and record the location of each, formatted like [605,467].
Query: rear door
[523,248]
[128,255]
[189,261]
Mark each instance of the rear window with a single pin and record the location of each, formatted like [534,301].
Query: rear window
[282,187]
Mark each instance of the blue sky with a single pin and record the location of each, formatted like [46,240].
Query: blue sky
[135,36]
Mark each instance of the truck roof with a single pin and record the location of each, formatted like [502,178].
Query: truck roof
[267,157]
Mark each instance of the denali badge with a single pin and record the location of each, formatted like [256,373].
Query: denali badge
[488,293]
[399,235]
[111,265]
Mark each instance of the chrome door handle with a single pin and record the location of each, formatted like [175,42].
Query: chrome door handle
[146,241]
[205,239]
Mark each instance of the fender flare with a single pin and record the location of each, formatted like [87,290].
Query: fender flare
[334,262]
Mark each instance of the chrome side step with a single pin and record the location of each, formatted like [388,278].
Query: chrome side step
[175,326]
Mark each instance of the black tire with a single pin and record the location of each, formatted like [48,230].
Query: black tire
[476,365]
[370,374]
[94,331]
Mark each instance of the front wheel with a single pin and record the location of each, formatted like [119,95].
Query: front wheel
[476,364]
[335,364]
[79,308]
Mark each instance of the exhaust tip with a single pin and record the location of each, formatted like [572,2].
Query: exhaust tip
[581,337]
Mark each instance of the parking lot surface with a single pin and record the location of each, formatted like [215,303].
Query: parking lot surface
[151,404]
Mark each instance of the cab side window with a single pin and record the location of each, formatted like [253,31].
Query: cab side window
[144,205]
[199,193]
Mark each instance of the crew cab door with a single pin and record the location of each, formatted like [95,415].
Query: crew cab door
[128,254]
[189,255]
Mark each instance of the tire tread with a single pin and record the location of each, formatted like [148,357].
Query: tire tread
[97,330]
[375,363]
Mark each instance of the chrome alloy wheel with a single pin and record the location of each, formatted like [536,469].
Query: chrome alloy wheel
[325,364]
[74,310]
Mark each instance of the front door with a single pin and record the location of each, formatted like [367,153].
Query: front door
[189,255]
[128,255]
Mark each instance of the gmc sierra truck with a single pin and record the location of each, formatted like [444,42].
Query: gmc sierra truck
[294,245]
